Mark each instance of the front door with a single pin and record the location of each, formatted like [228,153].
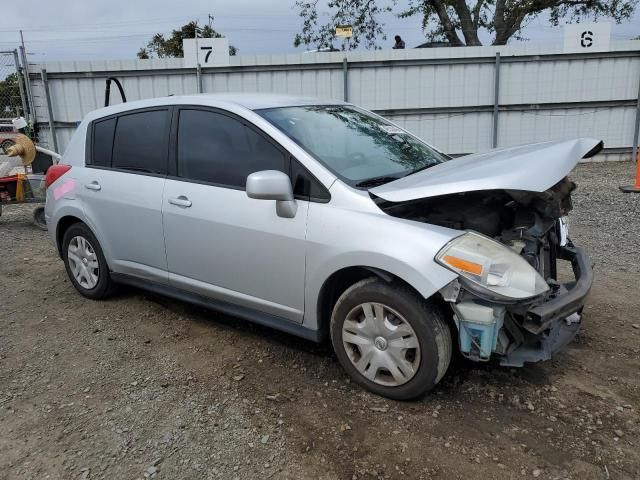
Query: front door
[219,242]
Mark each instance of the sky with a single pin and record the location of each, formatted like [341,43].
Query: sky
[116,29]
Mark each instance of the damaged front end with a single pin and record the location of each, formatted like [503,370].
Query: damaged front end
[508,301]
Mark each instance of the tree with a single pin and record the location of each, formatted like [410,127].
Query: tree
[504,19]
[459,22]
[10,101]
[362,15]
[172,47]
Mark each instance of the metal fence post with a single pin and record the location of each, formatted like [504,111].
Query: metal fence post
[635,188]
[47,94]
[27,84]
[496,100]
[345,79]
[636,130]
[199,77]
[23,98]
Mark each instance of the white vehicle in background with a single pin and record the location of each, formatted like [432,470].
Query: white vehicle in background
[324,220]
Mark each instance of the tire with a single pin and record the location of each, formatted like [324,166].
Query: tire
[39,218]
[94,283]
[418,355]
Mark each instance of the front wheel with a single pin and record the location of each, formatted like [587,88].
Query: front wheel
[389,339]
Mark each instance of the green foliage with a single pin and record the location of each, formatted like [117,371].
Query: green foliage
[10,102]
[362,15]
[456,22]
[162,47]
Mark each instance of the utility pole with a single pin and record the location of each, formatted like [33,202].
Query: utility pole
[27,79]
[22,40]
[198,68]
[196,34]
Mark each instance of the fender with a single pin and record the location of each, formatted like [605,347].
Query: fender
[403,248]
[69,206]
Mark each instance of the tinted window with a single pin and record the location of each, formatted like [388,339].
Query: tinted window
[218,149]
[103,142]
[305,185]
[141,141]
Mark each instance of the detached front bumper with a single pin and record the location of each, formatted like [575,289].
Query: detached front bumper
[553,324]
[568,299]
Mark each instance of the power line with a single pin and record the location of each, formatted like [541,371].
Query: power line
[145,21]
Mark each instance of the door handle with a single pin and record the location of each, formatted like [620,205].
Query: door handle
[95,186]
[180,201]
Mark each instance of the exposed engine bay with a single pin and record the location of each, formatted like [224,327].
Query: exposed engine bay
[525,221]
[532,225]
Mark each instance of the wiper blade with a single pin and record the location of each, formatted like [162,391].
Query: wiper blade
[375,181]
[418,170]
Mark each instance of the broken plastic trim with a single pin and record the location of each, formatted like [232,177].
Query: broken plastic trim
[570,300]
[595,150]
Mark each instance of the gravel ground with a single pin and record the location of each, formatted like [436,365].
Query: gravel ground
[144,387]
[605,221]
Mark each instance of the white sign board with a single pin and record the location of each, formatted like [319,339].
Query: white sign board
[209,52]
[587,37]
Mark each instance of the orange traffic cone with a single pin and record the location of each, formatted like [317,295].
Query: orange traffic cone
[636,187]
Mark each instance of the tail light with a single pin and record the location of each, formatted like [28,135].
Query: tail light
[55,172]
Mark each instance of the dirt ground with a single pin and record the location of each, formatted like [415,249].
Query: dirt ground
[141,386]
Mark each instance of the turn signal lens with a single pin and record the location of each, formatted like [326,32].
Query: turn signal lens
[464,265]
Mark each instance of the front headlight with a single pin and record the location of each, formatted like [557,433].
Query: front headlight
[491,266]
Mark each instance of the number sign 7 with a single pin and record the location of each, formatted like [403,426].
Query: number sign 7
[208,50]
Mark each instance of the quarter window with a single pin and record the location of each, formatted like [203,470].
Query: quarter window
[103,142]
[305,185]
[216,148]
[141,142]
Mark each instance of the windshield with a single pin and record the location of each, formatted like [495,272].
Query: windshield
[360,148]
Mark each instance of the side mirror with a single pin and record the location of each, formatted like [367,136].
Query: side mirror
[273,185]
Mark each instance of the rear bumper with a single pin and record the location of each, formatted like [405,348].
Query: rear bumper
[569,298]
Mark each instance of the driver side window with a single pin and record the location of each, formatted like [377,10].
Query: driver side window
[218,149]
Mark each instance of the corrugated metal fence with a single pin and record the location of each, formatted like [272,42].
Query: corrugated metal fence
[462,100]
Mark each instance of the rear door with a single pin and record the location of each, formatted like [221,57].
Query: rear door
[221,243]
[121,189]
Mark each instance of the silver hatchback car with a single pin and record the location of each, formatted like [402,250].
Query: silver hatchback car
[322,219]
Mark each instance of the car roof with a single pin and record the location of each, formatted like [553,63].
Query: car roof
[249,101]
[257,101]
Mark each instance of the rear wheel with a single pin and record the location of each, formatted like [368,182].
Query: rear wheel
[389,339]
[39,218]
[85,262]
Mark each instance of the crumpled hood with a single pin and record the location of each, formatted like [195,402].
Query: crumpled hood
[535,168]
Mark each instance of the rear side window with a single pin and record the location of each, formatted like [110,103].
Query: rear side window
[140,142]
[219,149]
[103,142]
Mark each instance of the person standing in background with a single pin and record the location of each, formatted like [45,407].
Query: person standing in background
[399,43]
